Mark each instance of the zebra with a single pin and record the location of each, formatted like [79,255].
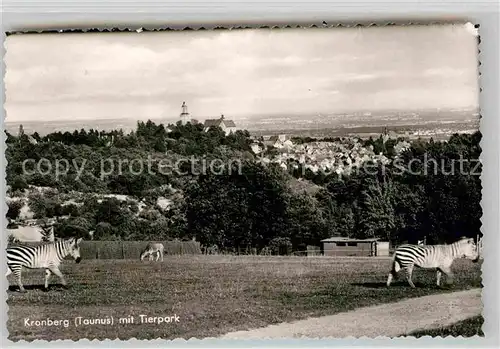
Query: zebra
[431,256]
[47,256]
[153,248]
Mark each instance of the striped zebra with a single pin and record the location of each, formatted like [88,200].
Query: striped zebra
[47,256]
[431,256]
[153,248]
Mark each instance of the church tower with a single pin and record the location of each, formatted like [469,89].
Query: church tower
[184,114]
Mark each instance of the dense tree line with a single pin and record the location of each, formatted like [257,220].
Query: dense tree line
[387,203]
[108,160]
[253,205]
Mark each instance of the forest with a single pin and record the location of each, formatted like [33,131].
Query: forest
[259,205]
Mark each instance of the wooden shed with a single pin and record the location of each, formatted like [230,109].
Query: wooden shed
[345,246]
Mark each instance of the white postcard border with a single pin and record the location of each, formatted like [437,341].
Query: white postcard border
[37,15]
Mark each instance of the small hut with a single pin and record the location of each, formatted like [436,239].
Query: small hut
[345,246]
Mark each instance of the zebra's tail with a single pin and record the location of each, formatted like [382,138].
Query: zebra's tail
[394,270]
[395,264]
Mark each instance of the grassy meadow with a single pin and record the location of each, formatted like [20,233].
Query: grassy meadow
[211,295]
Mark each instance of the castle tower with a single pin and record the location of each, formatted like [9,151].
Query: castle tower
[184,114]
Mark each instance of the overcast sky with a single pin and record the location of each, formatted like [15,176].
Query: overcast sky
[239,73]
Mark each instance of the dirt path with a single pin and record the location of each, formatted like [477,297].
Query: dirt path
[389,320]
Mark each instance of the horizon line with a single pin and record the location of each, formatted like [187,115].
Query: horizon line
[470,108]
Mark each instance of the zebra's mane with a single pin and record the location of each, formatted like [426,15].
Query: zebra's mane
[65,244]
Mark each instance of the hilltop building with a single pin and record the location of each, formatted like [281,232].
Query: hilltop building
[20,133]
[184,114]
[386,135]
[32,140]
[228,126]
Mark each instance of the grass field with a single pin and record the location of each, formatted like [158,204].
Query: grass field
[211,295]
[467,328]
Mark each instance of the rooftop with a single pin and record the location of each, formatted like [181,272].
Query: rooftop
[217,122]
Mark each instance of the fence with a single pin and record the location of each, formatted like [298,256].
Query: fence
[129,249]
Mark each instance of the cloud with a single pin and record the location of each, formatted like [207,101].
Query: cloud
[238,73]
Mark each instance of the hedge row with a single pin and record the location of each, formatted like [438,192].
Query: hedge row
[129,249]
[133,249]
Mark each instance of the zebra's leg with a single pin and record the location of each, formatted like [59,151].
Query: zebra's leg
[150,257]
[438,277]
[409,273]
[392,276]
[449,274]
[47,276]
[161,254]
[394,273]
[56,271]
[389,279]
[16,270]
[157,255]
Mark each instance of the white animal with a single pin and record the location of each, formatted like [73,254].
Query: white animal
[153,247]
